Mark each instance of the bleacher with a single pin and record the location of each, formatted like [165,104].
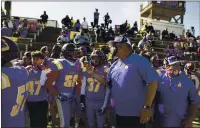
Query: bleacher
[36,35]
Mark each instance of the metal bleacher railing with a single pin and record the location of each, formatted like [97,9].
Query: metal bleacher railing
[50,23]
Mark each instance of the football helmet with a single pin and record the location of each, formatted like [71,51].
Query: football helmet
[97,58]
[9,50]
[69,51]
[189,68]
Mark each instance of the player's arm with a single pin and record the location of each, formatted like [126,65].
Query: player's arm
[51,77]
[150,76]
[83,86]
[97,76]
[193,100]
[107,95]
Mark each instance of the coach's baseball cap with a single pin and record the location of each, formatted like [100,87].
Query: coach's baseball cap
[172,60]
[120,39]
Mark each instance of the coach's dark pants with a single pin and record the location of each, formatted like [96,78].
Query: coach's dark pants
[38,113]
[129,122]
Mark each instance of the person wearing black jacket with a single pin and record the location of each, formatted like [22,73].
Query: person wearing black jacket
[66,22]
[44,18]
[107,20]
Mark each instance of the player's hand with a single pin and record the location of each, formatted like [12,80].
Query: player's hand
[82,108]
[145,115]
[187,123]
[89,68]
[102,111]
[62,97]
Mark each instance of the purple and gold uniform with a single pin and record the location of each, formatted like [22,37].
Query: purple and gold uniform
[37,92]
[65,84]
[14,89]
[96,96]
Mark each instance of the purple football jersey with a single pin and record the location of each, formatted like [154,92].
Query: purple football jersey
[14,89]
[36,91]
[94,89]
[68,74]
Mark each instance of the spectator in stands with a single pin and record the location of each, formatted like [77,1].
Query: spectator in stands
[84,25]
[106,20]
[98,34]
[19,30]
[165,34]
[143,42]
[25,23]
[172,35]
[102,34]
[110,34]
[193,31]
[135,48]
[10,23]
[189,34]
[135,27]
[63,39]
[73,22]
[150,37]
[77,26]
[81,38]
[96,18]
[44,18]
[66,22]
[150,28]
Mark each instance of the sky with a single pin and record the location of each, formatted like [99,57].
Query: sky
[119,11]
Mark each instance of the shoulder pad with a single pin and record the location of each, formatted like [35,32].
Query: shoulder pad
[106,69]
[58,64]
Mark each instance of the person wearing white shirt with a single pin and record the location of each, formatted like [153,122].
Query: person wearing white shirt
[84,25]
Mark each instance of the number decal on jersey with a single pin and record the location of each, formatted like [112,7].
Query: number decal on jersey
[70,80]
[93,85]
[20,101]
[5,82]
[31,87]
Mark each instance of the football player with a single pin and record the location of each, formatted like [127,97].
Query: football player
[190,71]
[37,98]
[14,86]
[65,73]
[95,93]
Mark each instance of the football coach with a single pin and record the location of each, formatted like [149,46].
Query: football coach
[133,84]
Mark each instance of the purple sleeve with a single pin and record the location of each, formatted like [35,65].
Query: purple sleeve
[193,97]
[147,72]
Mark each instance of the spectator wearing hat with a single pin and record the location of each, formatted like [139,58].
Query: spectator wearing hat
[176,99]
[63,39]
[133,85]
